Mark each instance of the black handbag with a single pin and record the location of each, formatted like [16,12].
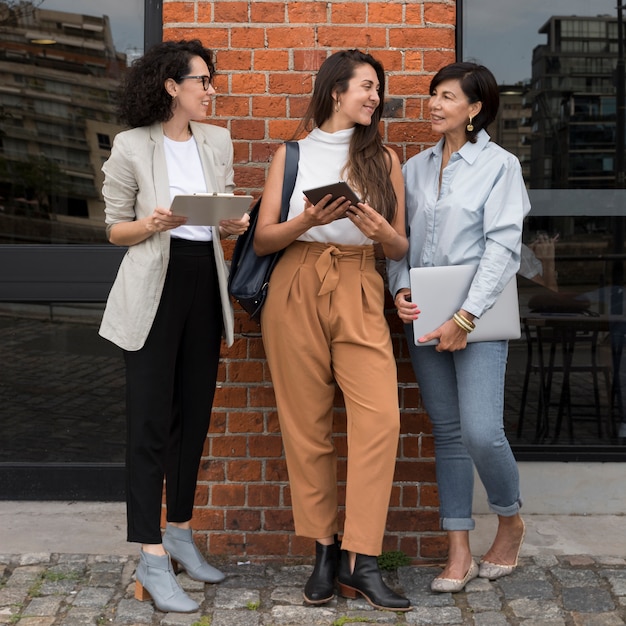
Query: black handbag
[249,273]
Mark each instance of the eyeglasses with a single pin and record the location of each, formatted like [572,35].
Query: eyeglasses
[206,80]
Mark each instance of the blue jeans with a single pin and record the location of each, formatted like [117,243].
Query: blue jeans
[463,393]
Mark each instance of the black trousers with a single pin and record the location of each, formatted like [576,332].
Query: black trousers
[170,384]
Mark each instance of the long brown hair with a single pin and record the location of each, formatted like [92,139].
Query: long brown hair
[369,163]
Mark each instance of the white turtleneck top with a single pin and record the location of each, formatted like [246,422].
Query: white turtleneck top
[322,158]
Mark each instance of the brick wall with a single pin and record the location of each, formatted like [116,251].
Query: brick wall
[267,54]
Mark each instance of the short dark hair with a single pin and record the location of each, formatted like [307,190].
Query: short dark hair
[143,99]
[479,85]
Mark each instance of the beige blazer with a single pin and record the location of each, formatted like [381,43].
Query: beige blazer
[135,184]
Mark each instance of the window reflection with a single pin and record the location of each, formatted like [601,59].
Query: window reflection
[557,71]
[60,66]
[62,386]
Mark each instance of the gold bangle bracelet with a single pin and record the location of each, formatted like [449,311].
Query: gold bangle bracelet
[461,326]
[461,322]
[469,322]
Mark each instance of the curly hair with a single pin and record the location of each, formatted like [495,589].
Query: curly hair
[143,99]
[478,85]
[369,163]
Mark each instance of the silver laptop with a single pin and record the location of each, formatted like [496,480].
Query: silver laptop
[439,293]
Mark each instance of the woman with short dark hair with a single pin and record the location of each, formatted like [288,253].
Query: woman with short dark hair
[466,201]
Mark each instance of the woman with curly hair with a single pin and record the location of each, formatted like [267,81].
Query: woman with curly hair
[169,305]
[323,323]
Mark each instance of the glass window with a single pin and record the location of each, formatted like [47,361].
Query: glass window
[566,376]
[60,66]
[62,385]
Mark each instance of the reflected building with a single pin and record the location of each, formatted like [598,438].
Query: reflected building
[512,126]
[574,104]
[59,74]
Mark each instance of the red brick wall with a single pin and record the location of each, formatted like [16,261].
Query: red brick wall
[267,54]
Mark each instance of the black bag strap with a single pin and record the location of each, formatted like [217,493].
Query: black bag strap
[292,156]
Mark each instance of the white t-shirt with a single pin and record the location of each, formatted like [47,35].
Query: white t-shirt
[322,157]
[184,170]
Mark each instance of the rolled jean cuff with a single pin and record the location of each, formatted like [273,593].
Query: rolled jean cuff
[457,523]
[507,511]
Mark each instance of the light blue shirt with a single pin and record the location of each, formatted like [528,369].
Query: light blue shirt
[475,218]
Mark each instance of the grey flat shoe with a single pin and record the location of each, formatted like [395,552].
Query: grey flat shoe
[156,580]
[454,585]
[179,543]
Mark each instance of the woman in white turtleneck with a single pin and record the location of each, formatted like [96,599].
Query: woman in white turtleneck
[323,325]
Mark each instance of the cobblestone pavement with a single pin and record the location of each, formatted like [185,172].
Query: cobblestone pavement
[74,590]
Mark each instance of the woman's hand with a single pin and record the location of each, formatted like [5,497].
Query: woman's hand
[163,219]
[325,211]
[407,310]
[234,227]
[450,335]
[371,223]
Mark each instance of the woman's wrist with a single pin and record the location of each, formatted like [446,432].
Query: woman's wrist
[463,322]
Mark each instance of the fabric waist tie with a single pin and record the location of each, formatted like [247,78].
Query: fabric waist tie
[330,255]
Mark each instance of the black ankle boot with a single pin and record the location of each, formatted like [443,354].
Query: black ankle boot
[366,580]
[320,588]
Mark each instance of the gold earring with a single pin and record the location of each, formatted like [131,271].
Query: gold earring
[337,106]
[470,126]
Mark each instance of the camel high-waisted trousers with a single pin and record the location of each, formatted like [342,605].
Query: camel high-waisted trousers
[323,321]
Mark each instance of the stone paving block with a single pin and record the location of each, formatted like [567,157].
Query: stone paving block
[610,560]
[587,600]
[25,575]
[599,619]
[236,618]
[514,588]
[58,587]
[545,560]
[43,606]
[576,577]
[33,558]
[105,574]
[484,601]
[80,617]
[183,619]
[8,613]
[298,616]
[554,621]
[536,609]
[38,621]
[10,596]
[94,597]
[617,581]
[134,612]
[236,598]
[293,596]
[490,618]
[295,576]
[578,559]
[432,615]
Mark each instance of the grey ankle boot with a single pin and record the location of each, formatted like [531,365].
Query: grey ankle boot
[156,580]
[179,543]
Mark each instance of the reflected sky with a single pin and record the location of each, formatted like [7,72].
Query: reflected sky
[126,17]
[502,35]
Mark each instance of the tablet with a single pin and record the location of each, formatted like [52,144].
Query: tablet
[209,209]
[336,189]
[440,291]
